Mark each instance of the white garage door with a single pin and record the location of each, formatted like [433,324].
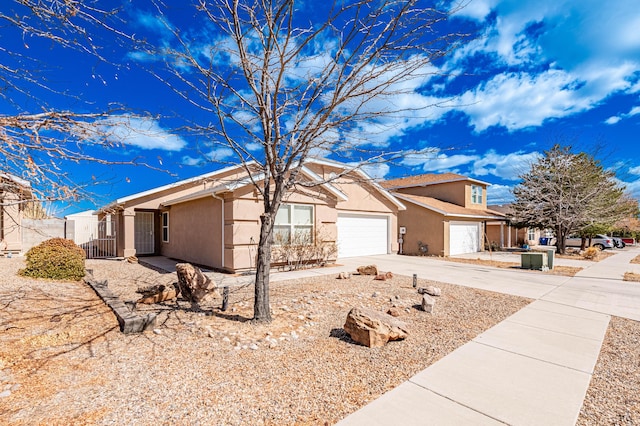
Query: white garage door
[464,237]
[362,235]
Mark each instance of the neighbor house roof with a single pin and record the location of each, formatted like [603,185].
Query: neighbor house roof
[449,209]
[427,179]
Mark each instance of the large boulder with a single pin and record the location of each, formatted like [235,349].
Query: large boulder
[368,270]
[428,303]
[372,328]
[194,285]
[430,290]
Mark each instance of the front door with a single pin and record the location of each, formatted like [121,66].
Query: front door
[144,237]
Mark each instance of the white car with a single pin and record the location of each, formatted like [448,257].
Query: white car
[599,241]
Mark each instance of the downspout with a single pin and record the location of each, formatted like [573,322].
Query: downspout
[221,227]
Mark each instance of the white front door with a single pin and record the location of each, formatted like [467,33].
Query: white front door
[144,237]
[362,235]
[464,237]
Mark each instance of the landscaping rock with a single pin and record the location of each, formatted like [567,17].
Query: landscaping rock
[344,275]
[372,328]
[394,312]
[162,294]
[384,277]
[194,285]
[428,303]
[430,290]
[368,270]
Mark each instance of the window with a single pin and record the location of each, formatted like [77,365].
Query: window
[531,234]
[294,224]
[165,227]
[476,194]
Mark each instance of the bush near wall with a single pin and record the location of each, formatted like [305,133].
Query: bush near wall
[57,259]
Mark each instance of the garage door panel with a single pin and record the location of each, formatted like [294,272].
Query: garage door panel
[464,237]
[362,235]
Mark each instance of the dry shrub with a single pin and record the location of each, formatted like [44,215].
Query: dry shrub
[299,253]
[591,253]
[57,259]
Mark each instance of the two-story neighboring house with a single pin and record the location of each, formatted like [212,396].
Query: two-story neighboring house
[445,213]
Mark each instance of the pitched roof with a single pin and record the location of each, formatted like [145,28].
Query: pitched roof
[449,209]
[427,179]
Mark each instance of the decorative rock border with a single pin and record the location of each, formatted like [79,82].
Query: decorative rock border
[128,321]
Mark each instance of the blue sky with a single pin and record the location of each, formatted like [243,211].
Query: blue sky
[540,71]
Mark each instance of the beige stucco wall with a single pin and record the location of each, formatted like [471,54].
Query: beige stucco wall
[195,232]
[452,192]
[10,222]
[243,223]
[423,226]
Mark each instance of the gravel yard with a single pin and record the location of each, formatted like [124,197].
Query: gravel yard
[63,360]
[613,397]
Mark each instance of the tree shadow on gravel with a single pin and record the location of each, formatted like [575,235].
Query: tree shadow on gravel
[231,317]
[342,335]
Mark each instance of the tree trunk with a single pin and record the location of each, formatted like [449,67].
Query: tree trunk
[560,240]
[261,308]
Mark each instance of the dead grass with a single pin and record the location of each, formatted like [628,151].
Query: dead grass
[631,276]
[567,271]
[635,259]
[575,255]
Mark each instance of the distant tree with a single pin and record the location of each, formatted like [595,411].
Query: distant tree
[569,193]
[297,84]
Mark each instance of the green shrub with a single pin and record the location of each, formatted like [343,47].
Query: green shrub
[57,258]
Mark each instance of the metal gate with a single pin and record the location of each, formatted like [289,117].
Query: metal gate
[102,241]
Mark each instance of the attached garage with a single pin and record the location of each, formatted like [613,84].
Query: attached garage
[362,235]
[464,237]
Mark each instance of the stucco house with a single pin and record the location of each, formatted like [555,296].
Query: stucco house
[445,213]
[13,192]
[505,234]
[214,219]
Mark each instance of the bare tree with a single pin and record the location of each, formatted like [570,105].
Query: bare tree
[37,139]
[569,193]
[298,80]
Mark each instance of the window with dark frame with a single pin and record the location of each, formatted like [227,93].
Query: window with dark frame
[165,227]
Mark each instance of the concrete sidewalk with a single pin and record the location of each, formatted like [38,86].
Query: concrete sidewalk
[533,368]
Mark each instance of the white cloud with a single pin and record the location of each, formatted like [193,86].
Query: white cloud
[586,50]
[215,155]
[635,170]
[521,100]
[128,130]
[616,118]
[476,9]
[507,166]
[438,161]
[633,188]
[499,194]
[376,171]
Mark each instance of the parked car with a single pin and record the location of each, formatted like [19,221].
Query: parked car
[600,241]
[617,241]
